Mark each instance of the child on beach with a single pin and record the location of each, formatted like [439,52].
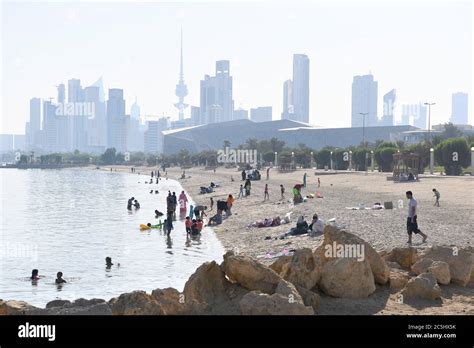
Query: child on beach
[241,191]
[437,195]
[188,223]
[282,190]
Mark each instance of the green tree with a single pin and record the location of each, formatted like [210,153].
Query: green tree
[359,158]
[338,157]
[384,156]
[453,154]
[451,131]
[108,157]
[323,158]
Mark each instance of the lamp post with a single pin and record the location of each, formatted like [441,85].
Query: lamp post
[293,160]
[350,160]
[431,160]
[330,161]
[276,159]
[372,160]
[429,120]
[363,125]
[311,160]
[472,161]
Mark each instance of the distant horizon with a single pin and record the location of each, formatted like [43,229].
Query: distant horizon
[422,49]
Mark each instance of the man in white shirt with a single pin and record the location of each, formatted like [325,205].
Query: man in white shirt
[412,225]
[317,226]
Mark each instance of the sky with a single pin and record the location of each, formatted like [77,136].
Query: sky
[423,49]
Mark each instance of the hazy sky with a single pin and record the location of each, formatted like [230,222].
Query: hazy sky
[423,49]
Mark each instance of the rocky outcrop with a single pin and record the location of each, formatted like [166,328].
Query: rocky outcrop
[398,279]
[277,266]
[348,278]
[303,269]
[460,262]
[441,272]
[13,307]
[257,303]
[423,286]
[334,235]
[136,303]
[421,266]
[249,273]
[405,257]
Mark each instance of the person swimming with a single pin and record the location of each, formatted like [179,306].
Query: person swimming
[130,203]
[136,204]
[59,278]
[34,275]
[158,213]
[108,262]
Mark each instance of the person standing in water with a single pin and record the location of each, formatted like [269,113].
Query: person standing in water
[169,224]
[59,278]
[412,224]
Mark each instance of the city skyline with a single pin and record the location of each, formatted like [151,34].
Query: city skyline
[254,84]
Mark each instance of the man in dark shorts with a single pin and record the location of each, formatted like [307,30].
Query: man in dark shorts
[412,225]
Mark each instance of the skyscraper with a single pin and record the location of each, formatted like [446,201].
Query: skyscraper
[50,127]
[78,119]
[61,93]
[288,110]
[216,103]
[241,114]
[181,88]
[195,116]
[34,135]
[459,104]
[301,87]
[116,121]
[364,100]
[419,113]
[261,114]
[389,100]
[96,123]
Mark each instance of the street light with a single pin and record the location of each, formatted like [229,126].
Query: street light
[330,160]
[431,160]
[429,120]
[311,159]
[293,159]
[363,125]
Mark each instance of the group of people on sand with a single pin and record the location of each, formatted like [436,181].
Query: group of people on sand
[315,228]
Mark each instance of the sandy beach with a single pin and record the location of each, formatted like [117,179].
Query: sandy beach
[451,224]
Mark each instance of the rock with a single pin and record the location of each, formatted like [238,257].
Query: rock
[94,309]
[257,303]
[398,279]
[421,266]
[13,307]
[347,278]
[423,286]
[250,274]
[441,272]
[405,257]
[289,291]
[303,269]
[310,298]
[136,303]
[173,302]
[278,264]
[208,291]
[460,262]
[57,303]
[333,234]
[392,264]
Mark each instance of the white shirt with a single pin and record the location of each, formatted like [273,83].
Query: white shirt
[412,207]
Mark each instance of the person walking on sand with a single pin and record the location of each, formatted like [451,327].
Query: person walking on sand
[230,202]
[212,202]
[282,190]
[412,224]
[304,180]
[266,195]
[268,173]
[241,191]
[437,195]
[247,186]
[319,182]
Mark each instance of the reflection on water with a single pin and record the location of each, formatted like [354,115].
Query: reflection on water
[70,220]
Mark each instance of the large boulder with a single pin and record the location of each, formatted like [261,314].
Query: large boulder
[460,262]
[347,278]
[289,290]
[136,303]
[277,266]
[405,257]
[421,266]
[249,273]
[335,236]
[310,298]
[257,303]
[440,270]
[13,307]
[171,300]
[208,291]
[398,279]
[423,286]
[303,269]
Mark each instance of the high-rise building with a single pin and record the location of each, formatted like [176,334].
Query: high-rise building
[459,108]
[261,114]
[288,109]
[241,114]
[34,127]
[195,116]
[181,88]
[153,135]
[97,121]
[50,127]
[61,93]
[419,113]
[78,118]
[116,121]
[301,87]
[389,100]
[364,101]
[216,103]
